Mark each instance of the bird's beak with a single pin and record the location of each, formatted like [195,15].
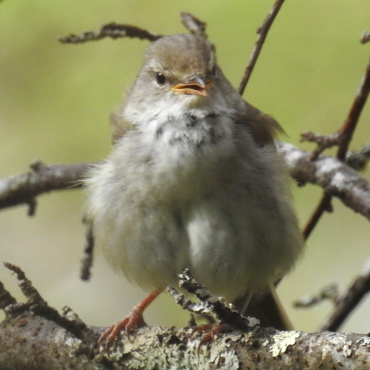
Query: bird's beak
[194,85]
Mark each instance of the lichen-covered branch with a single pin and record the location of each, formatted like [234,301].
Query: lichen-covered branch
[44,345]
[45,342]
[335,177]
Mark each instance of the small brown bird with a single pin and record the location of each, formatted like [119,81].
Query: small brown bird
[194,180]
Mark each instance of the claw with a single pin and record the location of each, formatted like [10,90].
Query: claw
[129,323]
[210,330]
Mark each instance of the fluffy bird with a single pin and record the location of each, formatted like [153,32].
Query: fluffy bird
[194,181]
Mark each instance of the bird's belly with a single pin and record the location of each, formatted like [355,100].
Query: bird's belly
[216,236]
[195,209]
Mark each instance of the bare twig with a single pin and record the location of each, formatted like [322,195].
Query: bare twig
[345,134]
[359,160]
[327,293]
[365,37]
[6,298]
[262,33]
[31,293]
[39,306]
[88,253]
[23,188]
[349,126]
[112,30]
[193,24]
[324,205]
[346,303]
[323,141]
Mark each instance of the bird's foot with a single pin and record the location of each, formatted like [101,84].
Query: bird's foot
[128,324]
[210,331]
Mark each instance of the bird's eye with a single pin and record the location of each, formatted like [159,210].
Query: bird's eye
[160,78]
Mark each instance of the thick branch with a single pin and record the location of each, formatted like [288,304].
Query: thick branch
[44,345]
[23,188]
[336,178]
[45,342]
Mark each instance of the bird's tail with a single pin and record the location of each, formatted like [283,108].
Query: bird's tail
[267,308]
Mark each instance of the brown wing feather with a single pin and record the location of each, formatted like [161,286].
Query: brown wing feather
[119,126]
[263,128]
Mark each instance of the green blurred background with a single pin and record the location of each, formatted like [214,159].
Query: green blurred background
[55,101]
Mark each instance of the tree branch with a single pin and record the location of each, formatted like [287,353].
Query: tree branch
[365,37]
[343,137]
[193,24]
[336,178]
[262,34]
[25,187]
[112,30]
[345,304]
[27,332]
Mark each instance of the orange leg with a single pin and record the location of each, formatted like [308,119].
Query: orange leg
[129,323]
[210,330]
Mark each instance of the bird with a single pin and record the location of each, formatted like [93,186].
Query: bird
[194,181]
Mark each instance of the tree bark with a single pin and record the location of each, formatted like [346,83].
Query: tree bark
[29,341]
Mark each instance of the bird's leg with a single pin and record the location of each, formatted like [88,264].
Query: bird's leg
[133,320]
[210,330]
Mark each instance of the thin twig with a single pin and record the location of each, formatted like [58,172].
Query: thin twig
[6,299]
[365,37]
[345,135]
[346,304]
[262,34]
[327,293]
[323,141]
[349,126]
[359,160]
[324,206]
[28,290]
[39,306]
[112,30]
[193,24]
[88,253]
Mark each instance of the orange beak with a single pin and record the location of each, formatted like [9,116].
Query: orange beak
[195,85]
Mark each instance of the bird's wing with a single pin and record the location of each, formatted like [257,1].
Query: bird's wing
[119,125]
[263,128]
